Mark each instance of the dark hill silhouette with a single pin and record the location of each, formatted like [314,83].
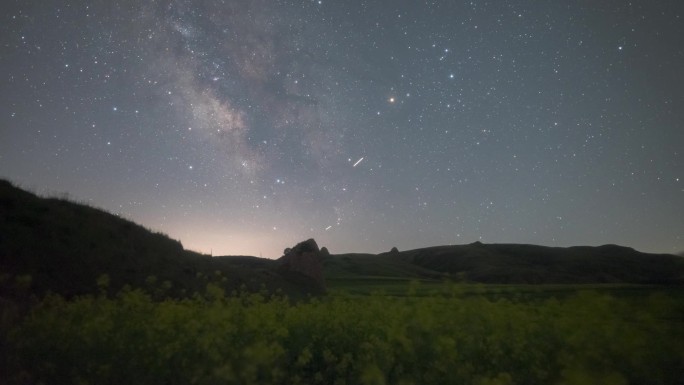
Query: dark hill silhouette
[514,263]
[50,244]
[64,247]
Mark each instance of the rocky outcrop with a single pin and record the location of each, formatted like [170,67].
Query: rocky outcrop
[304,262]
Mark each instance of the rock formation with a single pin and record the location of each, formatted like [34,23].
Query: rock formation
[304,261]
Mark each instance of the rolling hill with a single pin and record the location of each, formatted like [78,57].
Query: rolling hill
[513,264]
[51,244]
[55,245]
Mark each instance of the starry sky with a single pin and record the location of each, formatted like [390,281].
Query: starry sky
[244,127]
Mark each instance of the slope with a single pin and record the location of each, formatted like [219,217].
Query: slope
[60,246]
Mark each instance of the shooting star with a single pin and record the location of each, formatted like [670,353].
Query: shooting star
[328,228]
[357,162]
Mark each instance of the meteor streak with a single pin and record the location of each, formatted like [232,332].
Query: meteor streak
[357,162]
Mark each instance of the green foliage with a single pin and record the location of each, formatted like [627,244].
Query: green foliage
[446,338]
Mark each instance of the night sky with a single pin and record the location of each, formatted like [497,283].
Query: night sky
[244,127]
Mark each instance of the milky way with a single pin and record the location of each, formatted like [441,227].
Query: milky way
[243,127]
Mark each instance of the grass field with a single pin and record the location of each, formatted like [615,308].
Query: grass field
[400,286]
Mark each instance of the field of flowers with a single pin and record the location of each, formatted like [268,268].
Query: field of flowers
[444,338]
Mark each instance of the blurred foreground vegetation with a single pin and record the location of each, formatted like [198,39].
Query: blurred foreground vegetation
[452,336]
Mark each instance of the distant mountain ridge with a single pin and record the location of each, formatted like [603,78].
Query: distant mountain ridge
[515,263]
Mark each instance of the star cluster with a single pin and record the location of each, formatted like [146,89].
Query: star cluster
[243,127]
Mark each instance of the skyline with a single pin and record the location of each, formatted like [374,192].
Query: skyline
[243,128]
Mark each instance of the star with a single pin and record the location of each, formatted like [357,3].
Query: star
[292,108]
